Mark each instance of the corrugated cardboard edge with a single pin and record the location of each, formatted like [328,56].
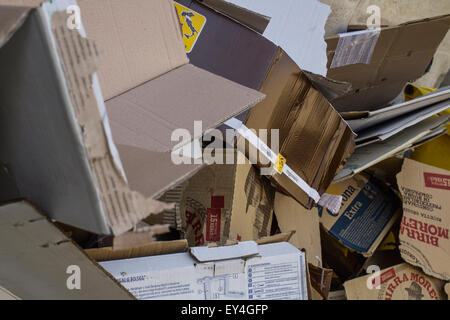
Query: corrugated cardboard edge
[123,207]
[150,249]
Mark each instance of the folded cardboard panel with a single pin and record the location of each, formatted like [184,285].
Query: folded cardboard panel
[424,240]
[313,137]
[241,271]
[65,160]
[378,63]
[36,257]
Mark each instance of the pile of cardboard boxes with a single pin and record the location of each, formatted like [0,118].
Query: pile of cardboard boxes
[324,183]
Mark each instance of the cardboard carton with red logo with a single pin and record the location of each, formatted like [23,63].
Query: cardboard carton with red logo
[401,282]
[424,231]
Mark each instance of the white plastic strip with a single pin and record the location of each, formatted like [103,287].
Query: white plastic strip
[332,202]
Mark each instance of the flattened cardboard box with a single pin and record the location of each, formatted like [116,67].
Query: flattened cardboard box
[244,271]
[401,282]
[253,201]
[65,159]
[424,239]
[312,136]
[369,209]
[378,63]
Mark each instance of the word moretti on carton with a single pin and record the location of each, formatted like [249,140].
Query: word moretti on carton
[400,282]
[96,105]
[243,271]
[424,230]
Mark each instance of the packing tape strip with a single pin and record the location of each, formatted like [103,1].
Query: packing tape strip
[332,202]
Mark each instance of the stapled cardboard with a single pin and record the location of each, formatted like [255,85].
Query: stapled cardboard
[313,138]
[378,63]
[253,201]
[182,276]
[369,210]
[144,87]
[401,282]
[424,239]
[36,257]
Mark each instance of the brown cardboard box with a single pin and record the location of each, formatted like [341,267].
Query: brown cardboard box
[401,282]
[369,210]
[65,159]
[383,61]
[312,136]
[253,201]
[424,240]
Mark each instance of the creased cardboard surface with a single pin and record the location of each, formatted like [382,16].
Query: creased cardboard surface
[424,239]
[141,41]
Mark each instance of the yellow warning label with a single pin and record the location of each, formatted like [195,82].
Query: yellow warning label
[192,25]
[279,164]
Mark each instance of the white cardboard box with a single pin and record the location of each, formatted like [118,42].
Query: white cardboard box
[236,272]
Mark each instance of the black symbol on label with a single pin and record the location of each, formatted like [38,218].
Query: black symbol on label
[187,17]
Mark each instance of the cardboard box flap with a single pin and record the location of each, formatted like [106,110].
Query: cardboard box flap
[146,116]
[376,62]
[11,18]
[140,166]
[140,41]
[36,257]
[235,251]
